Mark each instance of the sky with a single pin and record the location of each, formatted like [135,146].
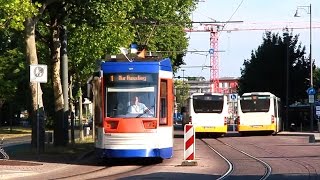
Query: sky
[235,46]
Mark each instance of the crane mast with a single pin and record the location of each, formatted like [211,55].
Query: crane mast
[214,56]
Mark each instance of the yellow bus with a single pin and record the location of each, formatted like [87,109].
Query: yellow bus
[259,112]
[208,112]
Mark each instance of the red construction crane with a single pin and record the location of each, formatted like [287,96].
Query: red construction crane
[214,57]
[214,29]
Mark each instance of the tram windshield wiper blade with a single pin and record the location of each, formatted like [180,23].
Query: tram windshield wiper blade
[144,112]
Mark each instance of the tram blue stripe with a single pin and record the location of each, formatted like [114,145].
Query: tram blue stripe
[164,153]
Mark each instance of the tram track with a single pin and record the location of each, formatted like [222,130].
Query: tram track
[101,174]
[310,169]
[299,166]
[111,171]
[231,165]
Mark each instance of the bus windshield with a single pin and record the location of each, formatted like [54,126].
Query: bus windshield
[254,103]
[208,103]
[130,95]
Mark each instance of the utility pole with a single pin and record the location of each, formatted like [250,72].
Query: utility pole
[183,83]
[287,79]
[308,10]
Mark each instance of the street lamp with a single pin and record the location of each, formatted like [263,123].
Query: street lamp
[308,10]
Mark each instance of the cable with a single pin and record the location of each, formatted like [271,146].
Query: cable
[232,14]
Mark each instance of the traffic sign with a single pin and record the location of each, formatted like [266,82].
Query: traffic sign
[233,97]
[311,91]
[38,73]
[211,51]
[318,110]
[311,98]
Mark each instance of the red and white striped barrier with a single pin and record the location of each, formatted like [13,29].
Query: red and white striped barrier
[189,142]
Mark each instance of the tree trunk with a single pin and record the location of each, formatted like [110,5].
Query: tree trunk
[72,112]
[36,92]
[60,126]
[80,113]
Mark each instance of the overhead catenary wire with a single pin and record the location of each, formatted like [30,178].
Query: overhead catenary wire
[233,14]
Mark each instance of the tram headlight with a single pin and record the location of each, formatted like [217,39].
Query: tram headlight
[149,124]
[112,124]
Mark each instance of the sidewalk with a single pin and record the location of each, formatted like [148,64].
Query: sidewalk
[17,168]
[31,164]
[313,136]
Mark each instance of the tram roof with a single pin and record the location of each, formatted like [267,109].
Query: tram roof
[149,64]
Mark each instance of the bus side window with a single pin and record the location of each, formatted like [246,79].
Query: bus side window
[163,102]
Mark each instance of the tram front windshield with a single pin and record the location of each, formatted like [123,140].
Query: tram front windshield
[208,103]
[131,95]
[255,103]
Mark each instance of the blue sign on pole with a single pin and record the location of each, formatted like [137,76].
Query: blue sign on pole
[233,97]
[311,91]
[211,51]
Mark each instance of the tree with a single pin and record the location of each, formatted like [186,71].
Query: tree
[160,26]
[266,70]
[182,93]
[316,79]
[104,27]
[13,83]
[13,13]
[23,15]
[95,28]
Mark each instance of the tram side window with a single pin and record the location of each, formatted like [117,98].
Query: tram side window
[163,102]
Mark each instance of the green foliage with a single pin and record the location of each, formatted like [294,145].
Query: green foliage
[94,29]
[266,70]
[316,81]
[182,93]
[12,65]
[14,12]
[163,27]
[97,28]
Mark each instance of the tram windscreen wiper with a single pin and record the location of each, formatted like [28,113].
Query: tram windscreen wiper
[144,112]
